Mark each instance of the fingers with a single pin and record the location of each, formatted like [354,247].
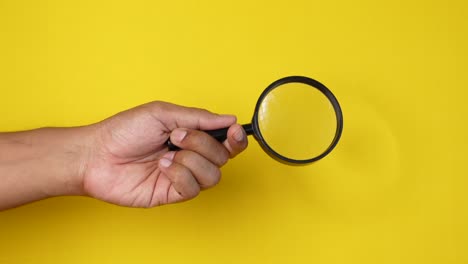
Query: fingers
[174,116]
[206,173]
[189,173]
[201,143]
[181,178]
[209,147]
[197,165]
[236,141]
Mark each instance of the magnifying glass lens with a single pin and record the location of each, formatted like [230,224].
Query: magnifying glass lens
[297,121]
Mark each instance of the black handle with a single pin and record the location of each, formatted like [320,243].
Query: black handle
[218,134]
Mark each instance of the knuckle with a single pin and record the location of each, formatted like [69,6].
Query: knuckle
[223,158]
[177,175]
[155,107]
[201,110]
[212,179]
[182,156]
[156,104]
[161,106]
[215,178]
[193,192]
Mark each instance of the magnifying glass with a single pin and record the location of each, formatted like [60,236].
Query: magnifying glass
[297,120]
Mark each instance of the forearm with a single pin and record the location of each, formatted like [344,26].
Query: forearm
[41,163]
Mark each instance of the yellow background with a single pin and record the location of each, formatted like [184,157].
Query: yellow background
[394,191]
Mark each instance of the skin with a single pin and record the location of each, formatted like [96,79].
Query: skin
[121,160]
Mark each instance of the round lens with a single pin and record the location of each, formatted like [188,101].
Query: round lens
[297,121]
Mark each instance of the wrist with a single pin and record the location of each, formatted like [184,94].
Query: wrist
[56,158]
[73,148]
[43,163]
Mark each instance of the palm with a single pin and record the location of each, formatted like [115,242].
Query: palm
[124,167]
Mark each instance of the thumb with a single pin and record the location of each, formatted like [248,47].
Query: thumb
[175,116]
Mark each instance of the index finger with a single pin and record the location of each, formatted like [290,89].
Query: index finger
[175,116]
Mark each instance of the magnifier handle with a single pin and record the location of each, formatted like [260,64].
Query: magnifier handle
[218,134]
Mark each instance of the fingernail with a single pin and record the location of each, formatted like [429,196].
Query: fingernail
[165,162]
[169,155]
[178,135]
[239,135]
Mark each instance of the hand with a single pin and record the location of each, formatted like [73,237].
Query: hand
[128,163]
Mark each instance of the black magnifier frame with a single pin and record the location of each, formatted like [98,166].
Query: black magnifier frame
[254,129]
